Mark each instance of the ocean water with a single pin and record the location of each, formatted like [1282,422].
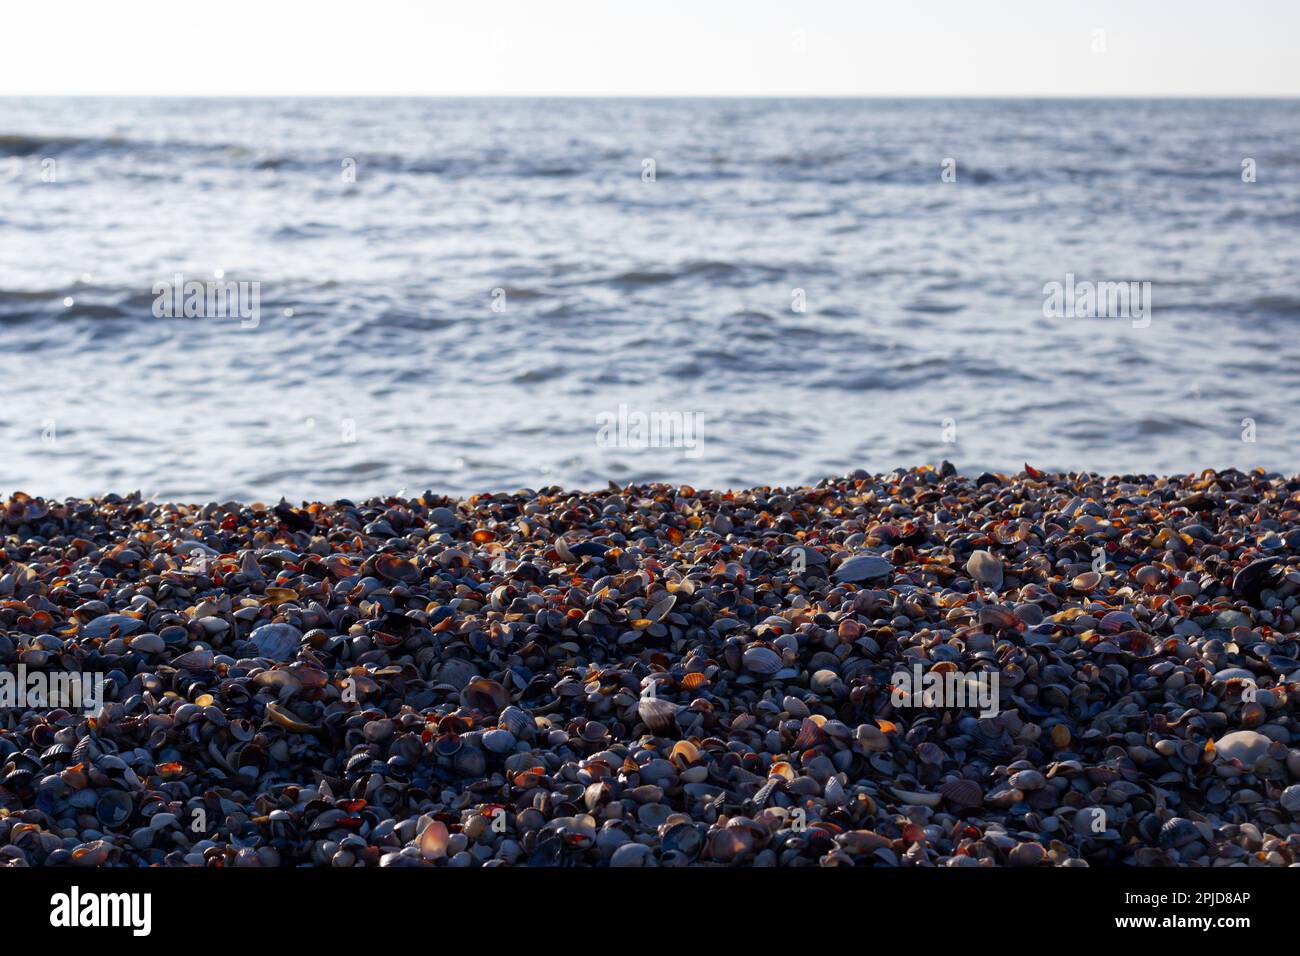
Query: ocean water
[461,295]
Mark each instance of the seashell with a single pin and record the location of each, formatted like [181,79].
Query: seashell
[277,642]
[1028,780]
[762,660]
[200,659]
[684,838]
[519,722]
[121,625]
[1290,799]
[659,716]
[1086,582]
[962,792]
[456,672]
[1177,832]
[863,567]
[1249,581]
[434,840]
[392,568]
[986,568]
[661,609]
[1247,746]
[114,808]
[470,762]
[484,695]
[95,853]
[917,797]
[810,735]
[498,741]
[1026,854]
[653,815]
[997,618]
[632,854]
[684,753]
[283,718]
[147,644]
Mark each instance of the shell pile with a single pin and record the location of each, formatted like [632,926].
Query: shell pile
[655,675]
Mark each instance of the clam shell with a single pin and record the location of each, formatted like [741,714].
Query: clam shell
[962,792]
[519,722]
[986,568]
[917,797]
[499,741]
[863,567]
[277,642]
[283,718]
[393,568]
[660,716]
[196,660]
[485,695]
[762,660]
[114,808]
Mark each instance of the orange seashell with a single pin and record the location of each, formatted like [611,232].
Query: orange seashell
[783,770]
[684,753]
[888,726]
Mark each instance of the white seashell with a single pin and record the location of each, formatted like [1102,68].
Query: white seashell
[917,797]
[863,567]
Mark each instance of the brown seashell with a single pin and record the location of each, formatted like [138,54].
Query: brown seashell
[684,753]
[196,660]
[393,568]
[283,718]
[95,853]
[693,680]
[729,844]
[810,735]
[997,618]
[1086,582]
[485,695]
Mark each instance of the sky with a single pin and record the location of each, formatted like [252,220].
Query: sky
[661,48]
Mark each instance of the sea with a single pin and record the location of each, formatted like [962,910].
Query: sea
[337,298]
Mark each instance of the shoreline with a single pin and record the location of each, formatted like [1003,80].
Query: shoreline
[661,675]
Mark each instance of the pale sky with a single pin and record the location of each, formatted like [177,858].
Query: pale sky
[666,48]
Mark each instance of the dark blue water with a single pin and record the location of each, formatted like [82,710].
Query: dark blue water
[378,362]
